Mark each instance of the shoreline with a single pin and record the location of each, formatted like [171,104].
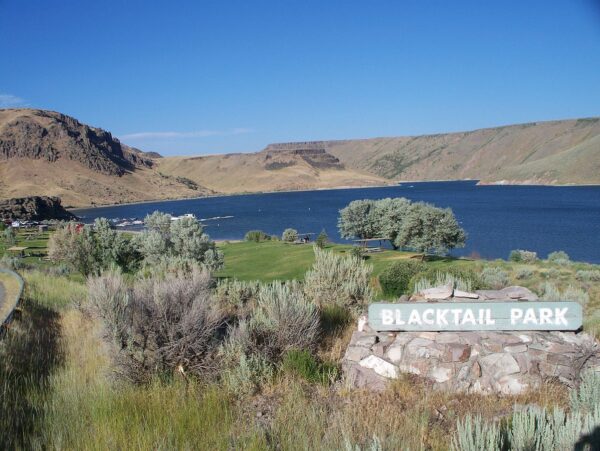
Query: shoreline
[394,183]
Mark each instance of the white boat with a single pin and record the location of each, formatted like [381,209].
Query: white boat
[187,215]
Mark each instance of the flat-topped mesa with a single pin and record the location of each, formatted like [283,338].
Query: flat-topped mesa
[279,156]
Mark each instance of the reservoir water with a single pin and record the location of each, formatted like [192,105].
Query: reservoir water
[497,219]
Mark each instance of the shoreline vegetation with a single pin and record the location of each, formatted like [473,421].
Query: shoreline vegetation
[392,183]
[72,377]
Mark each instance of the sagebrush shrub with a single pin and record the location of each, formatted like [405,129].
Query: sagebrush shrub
[336,279]
[520,255]
[475,434]
[559,258]
[591,275]
[257,236]
[462,279]
[587,396]
[284,319]
[158,324]
[237,293]
[524,273]
[575,294]
[549,292]
[396,277]
[495,277]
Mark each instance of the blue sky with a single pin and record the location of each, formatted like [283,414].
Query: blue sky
[211,77]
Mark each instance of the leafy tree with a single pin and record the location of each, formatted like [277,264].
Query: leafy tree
[290,235]
[158,221]
[426,228]
[419,226]
[388,216]
[357,220]
[322,239]
[76,247]
[184,238]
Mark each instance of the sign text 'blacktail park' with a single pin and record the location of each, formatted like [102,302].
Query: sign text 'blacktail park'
[463,316]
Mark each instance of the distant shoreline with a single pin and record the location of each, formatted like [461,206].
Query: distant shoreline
[395,183]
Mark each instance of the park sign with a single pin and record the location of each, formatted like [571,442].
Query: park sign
[471,316]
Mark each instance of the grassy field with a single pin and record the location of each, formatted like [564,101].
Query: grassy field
[277,260]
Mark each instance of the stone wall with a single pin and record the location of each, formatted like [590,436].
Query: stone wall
[481,362]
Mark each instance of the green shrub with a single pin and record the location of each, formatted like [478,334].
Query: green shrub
[237,293]
[587,396]
[300,362]
[475,434]
[395,279]
[289,235]
[520,255]
[592,275]
[575,294]
[284,319]
[257,236]
[495,277]
[462,279]
[357,252]
[549,292]
[559,258]
[515,256]
[336,279]
[524,273]
[322,239]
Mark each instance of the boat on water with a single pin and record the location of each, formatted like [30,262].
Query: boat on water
[186,215]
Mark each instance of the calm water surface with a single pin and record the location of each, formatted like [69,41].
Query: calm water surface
[497,219]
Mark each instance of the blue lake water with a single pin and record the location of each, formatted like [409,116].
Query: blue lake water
[497,219]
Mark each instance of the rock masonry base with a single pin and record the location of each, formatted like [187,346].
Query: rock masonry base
[474,362]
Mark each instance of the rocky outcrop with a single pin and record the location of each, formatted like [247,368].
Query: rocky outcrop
[34,208]
[279,157]
[474,362]
[52,136]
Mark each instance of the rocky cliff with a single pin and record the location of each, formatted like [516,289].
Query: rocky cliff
[34,208]
[51,136]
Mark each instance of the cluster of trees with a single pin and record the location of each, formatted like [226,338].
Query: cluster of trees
[90,249]
[413,225]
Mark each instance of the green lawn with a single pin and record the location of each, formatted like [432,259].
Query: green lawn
[272,260]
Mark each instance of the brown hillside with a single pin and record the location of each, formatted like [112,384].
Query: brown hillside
[269,170]
[556,152]
[48,153]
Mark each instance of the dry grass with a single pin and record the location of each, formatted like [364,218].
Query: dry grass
[11,291]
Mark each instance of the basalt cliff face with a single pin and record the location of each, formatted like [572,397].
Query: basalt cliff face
[49,153]
[34,208]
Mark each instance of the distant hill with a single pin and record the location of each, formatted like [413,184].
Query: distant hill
[273,169]
[555,152]
[48,153]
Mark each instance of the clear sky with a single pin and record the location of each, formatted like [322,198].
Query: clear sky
[196,77]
